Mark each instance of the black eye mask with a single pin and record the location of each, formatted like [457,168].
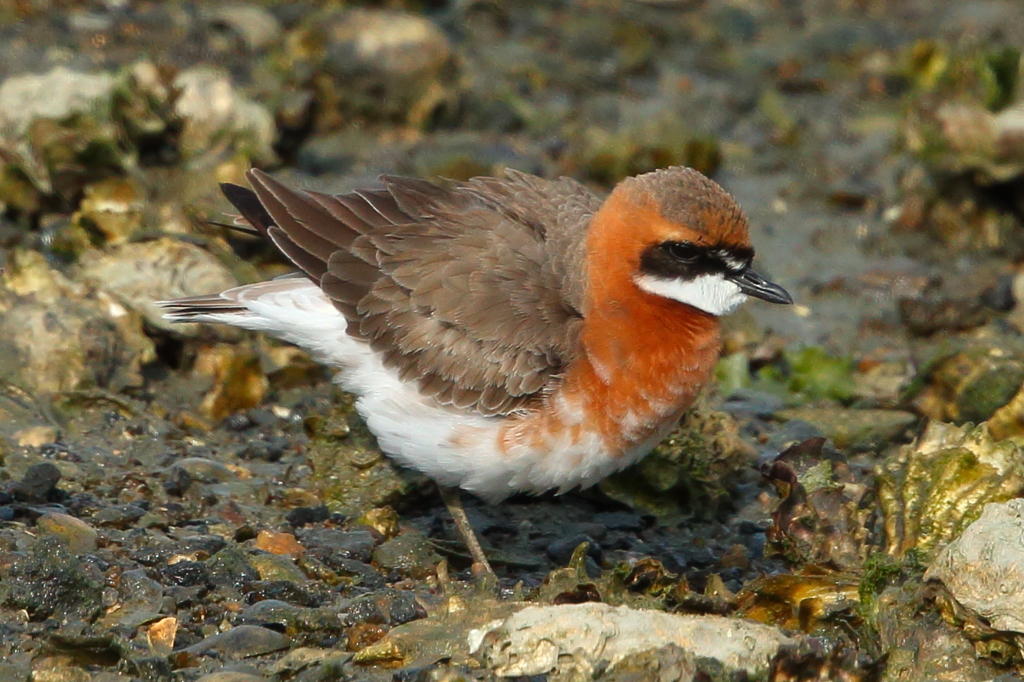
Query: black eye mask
[672,260]
[686,261]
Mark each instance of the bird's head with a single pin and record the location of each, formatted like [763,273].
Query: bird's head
[691,241]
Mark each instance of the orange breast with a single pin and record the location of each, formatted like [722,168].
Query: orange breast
[645,357]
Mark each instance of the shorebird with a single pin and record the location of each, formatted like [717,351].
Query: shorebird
[503,335]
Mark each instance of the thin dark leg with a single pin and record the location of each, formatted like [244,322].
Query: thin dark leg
[453,500]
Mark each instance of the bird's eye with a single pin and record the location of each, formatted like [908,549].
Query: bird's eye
[682,251]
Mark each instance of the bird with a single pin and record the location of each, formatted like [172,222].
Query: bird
[504,334]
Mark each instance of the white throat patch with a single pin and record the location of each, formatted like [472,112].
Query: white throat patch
[713,294]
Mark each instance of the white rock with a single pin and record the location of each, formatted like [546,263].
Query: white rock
[572,640]
[983,569]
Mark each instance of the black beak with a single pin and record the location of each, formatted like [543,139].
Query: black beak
[753,284]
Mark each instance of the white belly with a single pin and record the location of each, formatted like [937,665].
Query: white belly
[454,448]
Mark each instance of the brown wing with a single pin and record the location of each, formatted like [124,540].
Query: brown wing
[474,292]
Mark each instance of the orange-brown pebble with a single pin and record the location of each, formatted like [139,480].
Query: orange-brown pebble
[362,635]
[278,543]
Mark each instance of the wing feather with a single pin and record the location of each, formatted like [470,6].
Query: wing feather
[475,292]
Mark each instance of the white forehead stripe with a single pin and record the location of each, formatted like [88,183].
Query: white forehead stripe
[711,293]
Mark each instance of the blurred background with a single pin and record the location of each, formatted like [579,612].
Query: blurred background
[877,146]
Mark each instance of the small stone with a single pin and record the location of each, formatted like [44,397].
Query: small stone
[139,274]
[113,208]
[81,538]
[356,544]
[276,567]
[38,483]
[230,567]
[160,635]
[120,516]
[384,520]
[735,557]
[410,553]
[624,521]
[51,583]
[232,676]
[35,436]
[278,543]
[242,642]
[302,658]
[213,111]
[257,27]
[59,673]
[205,470]
[186,574]
[141,600]
[57,336]
[305,516]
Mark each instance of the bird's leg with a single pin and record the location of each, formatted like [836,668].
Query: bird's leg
[453,500]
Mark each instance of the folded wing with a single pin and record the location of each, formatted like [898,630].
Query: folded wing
[476,292]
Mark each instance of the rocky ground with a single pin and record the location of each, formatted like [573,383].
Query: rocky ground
[195,503]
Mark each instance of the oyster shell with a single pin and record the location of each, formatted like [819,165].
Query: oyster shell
[983,571]
[935,487]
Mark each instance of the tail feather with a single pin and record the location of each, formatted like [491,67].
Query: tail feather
[248,204]
[194,308]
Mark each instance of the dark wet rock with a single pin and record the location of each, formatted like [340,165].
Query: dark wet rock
[305,516]
[752,402]
[293,619]
[194,546]
[242,641]
[283,591]
[230,567]
[140,600]
[560,551]
[624,521]
[81,538]
[185,574]
[118,516]
[274,567]
[387,607]
[355,544]
[410,553]
[349,570]
[51,583]
[38,484]
[270,451]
